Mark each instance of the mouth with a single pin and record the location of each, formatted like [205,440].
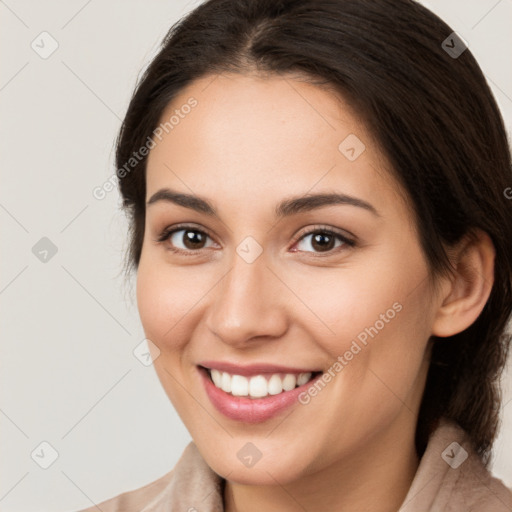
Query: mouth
[260,385]
[262,393]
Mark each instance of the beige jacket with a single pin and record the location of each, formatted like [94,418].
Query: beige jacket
[450,478]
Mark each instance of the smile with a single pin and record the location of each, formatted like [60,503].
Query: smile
[258,386]
[262,392]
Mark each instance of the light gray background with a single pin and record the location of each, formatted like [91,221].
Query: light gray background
[69,325]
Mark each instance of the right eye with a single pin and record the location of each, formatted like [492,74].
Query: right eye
[190,238]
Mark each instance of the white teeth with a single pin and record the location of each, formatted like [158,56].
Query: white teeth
[258,386]
[226,382]
[275,385]
[239,385]
[303,378]
[289,382]
[216,377]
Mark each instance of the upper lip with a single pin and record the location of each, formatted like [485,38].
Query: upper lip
[253,369]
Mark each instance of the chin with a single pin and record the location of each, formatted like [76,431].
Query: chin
[265,475]
[273,469]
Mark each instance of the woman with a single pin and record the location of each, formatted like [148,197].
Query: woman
[322,240]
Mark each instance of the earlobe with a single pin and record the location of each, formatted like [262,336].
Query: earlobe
[465,295]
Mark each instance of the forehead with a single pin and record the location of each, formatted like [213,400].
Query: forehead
[256,137]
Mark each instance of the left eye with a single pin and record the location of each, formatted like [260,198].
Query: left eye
[323,241]
[192,239]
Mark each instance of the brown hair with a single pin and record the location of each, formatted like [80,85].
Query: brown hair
[434,117]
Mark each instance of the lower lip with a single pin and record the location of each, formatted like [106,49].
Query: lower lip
[251,410]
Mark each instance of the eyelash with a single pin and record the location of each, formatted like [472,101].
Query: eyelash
[168,232]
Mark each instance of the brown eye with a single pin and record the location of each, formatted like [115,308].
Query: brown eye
[323,240]
[185,239]
[192,239]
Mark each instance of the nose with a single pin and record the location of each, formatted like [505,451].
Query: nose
[248,304]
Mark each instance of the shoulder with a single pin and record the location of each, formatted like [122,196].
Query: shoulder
[135,500]
[190,485]
[453,478]
[477,489]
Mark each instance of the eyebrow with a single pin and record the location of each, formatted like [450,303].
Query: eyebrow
[286,208]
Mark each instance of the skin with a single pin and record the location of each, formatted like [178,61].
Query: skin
[251,142]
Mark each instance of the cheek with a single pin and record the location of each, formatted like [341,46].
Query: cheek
[166,298]
[347,304]
[374,323]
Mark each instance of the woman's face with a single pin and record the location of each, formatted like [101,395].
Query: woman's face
[265,280]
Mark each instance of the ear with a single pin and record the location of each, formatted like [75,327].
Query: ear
[464,294]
